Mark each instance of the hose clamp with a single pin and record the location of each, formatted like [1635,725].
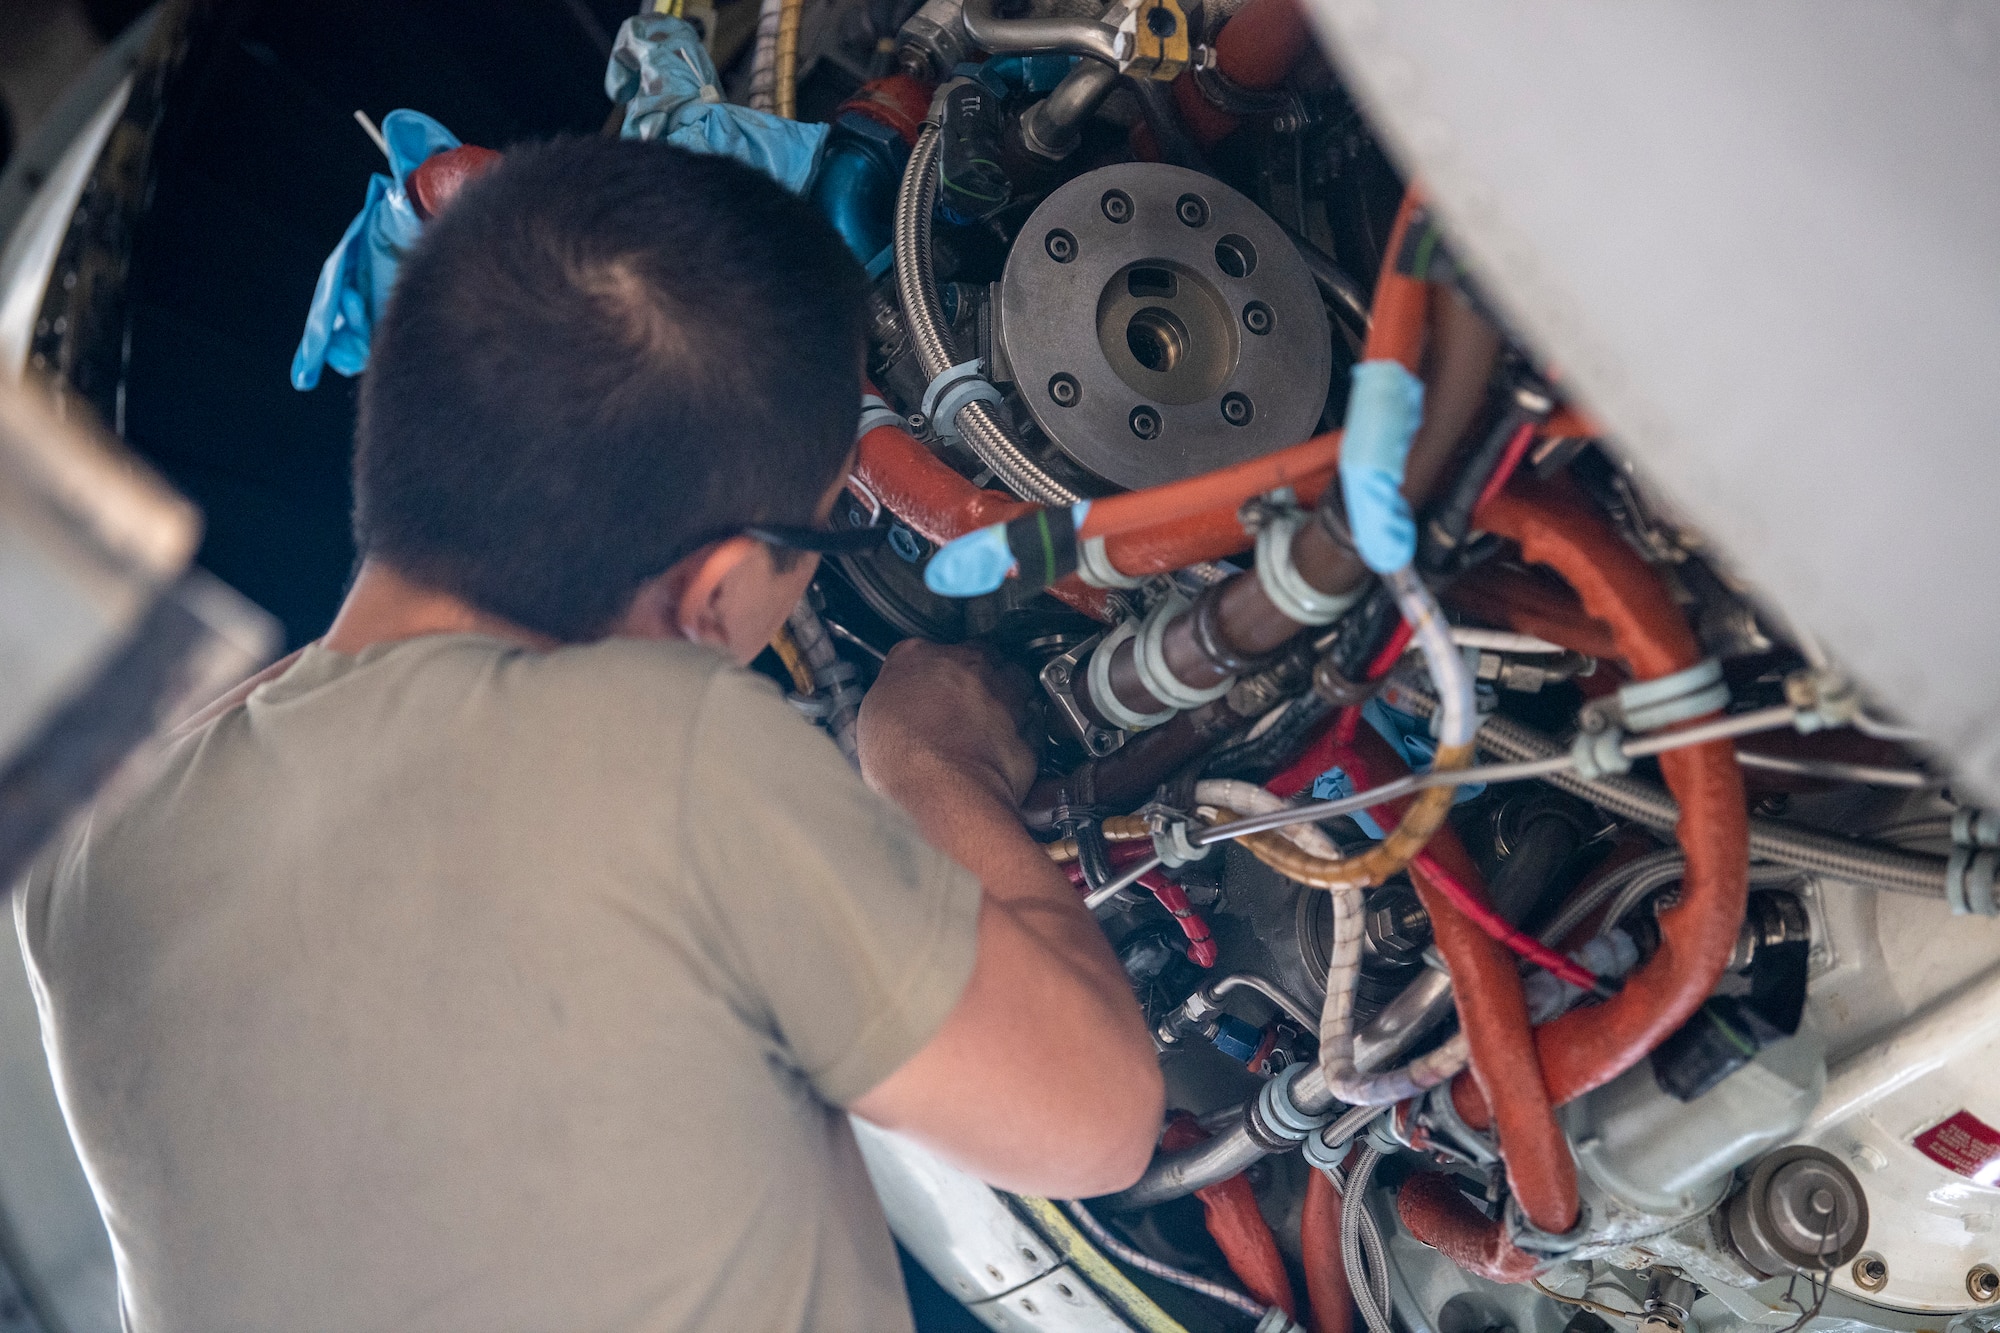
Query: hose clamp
[1280,1115]
[1323,1156]
[1171,845]
[1442,1119]
[1968,882]
[1525,1235]
[952,391]
[1599,754]
[1973,827]
[1151,659]
[1097,680]
[1094,567]
[875,414]
[1280,579]
[1651,704]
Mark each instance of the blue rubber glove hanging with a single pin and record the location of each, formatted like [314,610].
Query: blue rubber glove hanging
[662,73]
[354,284]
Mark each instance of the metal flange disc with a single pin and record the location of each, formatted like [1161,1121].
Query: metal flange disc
[1159,325]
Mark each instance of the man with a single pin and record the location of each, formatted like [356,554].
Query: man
[507,960]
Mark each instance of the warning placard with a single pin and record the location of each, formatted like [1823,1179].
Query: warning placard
[1964,1143]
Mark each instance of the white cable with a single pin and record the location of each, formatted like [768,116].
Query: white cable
[763,95]
[1166,1272]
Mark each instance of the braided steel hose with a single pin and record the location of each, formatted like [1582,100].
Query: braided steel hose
[916,285]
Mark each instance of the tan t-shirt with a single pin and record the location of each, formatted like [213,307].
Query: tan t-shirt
[458,986]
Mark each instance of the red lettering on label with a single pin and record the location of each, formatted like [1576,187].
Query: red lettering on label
[1963,1143]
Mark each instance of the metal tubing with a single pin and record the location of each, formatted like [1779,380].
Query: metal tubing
[1070,36]
[1053,127]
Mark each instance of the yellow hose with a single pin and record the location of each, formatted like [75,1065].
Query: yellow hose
[795,662]
[787,94]
[1118,828]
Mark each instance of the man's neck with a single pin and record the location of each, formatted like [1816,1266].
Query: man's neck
[383,606]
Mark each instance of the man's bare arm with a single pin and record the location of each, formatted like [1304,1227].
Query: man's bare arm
[1043,1079]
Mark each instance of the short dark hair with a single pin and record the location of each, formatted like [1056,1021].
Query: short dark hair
[601,355]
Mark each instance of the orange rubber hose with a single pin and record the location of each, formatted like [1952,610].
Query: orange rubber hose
[1436,1213]
[1327,1292]
[1224,489]
[1586,1048]
[893,469]
[1256,49]
[1402,304]
[1493,1012]
[1238,1225]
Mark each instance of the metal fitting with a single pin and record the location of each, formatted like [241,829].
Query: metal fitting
[1449,1131]
[1870,1272]
[1525,1235]
[1802,1211]
[1983,1284]
[1171,845]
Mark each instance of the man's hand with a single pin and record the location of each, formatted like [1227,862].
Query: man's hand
[944,715]
[1043,1080]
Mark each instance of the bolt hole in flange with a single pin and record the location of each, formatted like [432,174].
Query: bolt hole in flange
[1870,1272]
[1237,409]
[1235,256]
[1191,208]
[1257,318]
[1145,423]
[1064,391]
[1117,206]
[1060,245]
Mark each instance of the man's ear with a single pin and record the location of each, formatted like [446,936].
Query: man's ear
[686,601]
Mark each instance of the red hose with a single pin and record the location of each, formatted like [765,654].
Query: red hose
[1401,309]
[1237,1224]
[1306,466]
[917,487]
[1327,1292]
[1256,49]
[1473,906]
[1438,1215]
[1586,1048]
[1492,1011]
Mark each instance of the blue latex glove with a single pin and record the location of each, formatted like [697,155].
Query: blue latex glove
[354,284]
[1383,411]
[662,73]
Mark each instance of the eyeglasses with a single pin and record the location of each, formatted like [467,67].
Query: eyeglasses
[820,541]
